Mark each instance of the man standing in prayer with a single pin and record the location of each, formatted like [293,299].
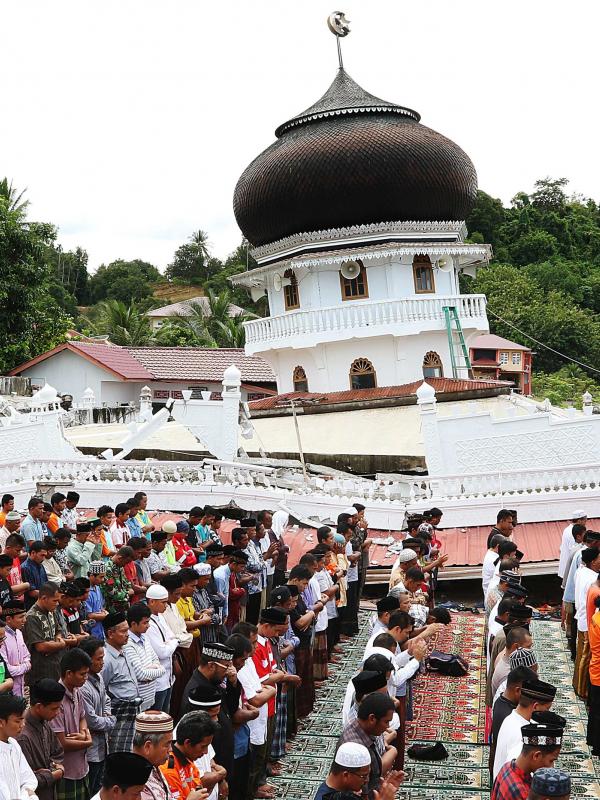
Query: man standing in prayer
[42,636]
[13,649]
[120,681]
[567,543]
[540,748]
[587,574]
[164,643]
[70,727]
[98,711]
[194,735]
[12,523]
[85,546]
[16,776]
[152,740]
[505,704]
[141,656]
[535,696]
[39,743]
[489,562]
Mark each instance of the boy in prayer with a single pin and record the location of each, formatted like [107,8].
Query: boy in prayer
[536,695]
[13,649]
[18,779]
[39,743]
[540,748]
[71,729]
[125,777]
[50,564]
[94,605]
[141,656]
[98,711]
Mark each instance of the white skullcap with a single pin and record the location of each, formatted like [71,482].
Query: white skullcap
[350,510]
[578,514]
[156,592]
[203,569]
[406,555]
[169,526]
[353,755]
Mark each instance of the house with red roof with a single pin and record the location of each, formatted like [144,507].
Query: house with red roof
[502,360]
[116,374]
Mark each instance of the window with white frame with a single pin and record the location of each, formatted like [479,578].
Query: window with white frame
[503,357]
[516,359]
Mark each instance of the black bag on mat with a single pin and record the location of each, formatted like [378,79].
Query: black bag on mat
[447,664]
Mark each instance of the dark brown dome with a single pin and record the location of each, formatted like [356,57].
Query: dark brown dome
[352,159]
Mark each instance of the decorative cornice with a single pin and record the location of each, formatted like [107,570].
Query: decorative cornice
[285,247]
[387,109]
[257,276]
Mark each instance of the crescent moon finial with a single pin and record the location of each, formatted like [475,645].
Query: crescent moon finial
[340,27]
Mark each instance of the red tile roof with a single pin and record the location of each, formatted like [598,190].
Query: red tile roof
[441,385]
[201,363]
[164,363]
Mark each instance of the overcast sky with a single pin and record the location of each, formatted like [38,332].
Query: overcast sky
[129,121]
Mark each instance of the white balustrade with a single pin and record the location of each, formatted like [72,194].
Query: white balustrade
[428,311]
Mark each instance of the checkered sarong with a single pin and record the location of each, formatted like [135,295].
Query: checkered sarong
[280,732]
[120,739]
[73,789]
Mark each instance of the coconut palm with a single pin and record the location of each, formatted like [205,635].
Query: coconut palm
[14,199]
[214,324]
[124,325]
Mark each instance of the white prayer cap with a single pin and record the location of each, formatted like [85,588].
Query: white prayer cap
[578,514]
[353,755]
[169,526]
[406,555]
[203,569]
[157,592]
[350,510]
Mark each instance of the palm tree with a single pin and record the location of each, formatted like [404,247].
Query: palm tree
[14,199]
[211,324]
[200,239]
[124,325]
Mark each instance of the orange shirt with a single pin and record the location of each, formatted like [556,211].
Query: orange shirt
[593,593]
[2,517]
[594,640]
[53,523]
[182,776]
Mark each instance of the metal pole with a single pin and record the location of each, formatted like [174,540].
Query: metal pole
[339,49]
[300,451]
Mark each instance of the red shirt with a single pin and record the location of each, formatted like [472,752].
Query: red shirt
[264,663]
[131,572]
[511,783]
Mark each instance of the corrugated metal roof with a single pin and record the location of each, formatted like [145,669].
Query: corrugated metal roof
[489,341]
[184,308]
[441,385]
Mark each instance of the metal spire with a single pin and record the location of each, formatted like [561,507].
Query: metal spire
[340,27]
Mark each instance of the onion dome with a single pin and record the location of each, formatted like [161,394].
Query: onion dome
[352,159]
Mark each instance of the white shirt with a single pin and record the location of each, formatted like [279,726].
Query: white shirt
[204,765]
[509,738]
[251,685]
[487,571]
[322,618]
[265,543]
[164,643]
[583,580]
[352,574]
[326,582]
[566,545]
[494,628]
[17,779]
[176,622]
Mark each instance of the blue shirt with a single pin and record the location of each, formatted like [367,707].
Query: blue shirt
[204,535]
[569,593]
[135,529]
[35,575]
[93,604]
[221,578]
[32,529]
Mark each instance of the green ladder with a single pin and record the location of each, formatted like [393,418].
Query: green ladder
[456,339]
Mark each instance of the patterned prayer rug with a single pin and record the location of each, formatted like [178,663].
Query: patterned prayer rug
[450,710]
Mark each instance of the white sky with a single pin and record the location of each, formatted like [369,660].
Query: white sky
[129,121]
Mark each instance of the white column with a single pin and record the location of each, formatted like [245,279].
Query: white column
[429,428]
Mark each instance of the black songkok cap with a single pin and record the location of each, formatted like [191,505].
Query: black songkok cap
[84,527]
[249,522]
[368,681]
[111,621]
[539,690]
[515,590]
[273,616]
[280,595]
[542,735]
[205,696]
[214,549]
[549,718]
[551,782]
[520,612]
[388,603]
[70,589]
[218,651]
[125,770]
[229,550]
[239,555]
[294,590]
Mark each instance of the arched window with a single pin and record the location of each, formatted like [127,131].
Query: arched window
[362,374]
[423,275]
[300,380]
[355,288]
[432,365]
[290,292]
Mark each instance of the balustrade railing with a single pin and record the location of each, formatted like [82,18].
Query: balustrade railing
[364,314]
